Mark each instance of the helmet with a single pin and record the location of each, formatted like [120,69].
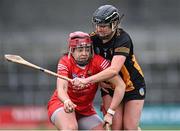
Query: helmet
[79,39]
[105,14]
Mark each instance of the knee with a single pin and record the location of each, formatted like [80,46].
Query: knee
[72,127]
[68,127]
[130,123]
[130,126]
[117,124]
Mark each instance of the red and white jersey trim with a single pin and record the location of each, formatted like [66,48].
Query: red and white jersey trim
[104,64]
[62,67]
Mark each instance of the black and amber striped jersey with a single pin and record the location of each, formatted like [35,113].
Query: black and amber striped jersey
[121,44]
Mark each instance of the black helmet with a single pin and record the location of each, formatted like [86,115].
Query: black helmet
[105,14]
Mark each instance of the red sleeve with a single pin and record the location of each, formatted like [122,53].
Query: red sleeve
[63,66]
[101,63]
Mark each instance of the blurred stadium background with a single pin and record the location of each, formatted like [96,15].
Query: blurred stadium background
[38,29]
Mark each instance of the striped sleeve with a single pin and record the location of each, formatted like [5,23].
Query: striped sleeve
[104,64]
[62,67]
[101,63]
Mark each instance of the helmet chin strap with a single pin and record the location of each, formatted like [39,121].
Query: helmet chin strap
[114,26]
[82,63]
[106,37]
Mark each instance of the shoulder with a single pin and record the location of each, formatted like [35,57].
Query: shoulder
[92,34]
[64,60]
[97,59]
[100,63]
[94,37]
[122,36]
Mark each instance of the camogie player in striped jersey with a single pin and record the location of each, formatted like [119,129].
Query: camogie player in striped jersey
[72,108]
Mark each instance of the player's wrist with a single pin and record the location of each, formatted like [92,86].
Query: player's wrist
[111,111]
[89,80]
[66,101]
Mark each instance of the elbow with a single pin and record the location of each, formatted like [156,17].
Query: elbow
[123,85]
[114,71]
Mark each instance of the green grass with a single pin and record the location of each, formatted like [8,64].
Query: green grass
[160,127]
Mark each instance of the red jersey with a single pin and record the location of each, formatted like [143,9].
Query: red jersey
[82,98]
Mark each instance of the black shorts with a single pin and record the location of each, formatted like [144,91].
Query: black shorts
[138,93]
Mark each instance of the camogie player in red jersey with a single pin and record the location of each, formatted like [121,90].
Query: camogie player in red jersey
[72,108]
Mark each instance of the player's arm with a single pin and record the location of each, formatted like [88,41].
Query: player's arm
[114,69]
[119,90]
[121,51]
[118,95]
[62,86]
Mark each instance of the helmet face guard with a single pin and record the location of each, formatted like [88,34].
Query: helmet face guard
[114,16]
[78,40]
[107,14]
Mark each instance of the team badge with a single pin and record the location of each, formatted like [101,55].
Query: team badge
[89,73]
[97,50]
[111,50]
[74,75]
[141,91]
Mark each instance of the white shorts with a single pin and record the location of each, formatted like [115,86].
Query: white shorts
[84,123]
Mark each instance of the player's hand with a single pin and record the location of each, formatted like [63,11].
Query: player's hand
[69,106]
[107,126]
[108,119]
[105,86]
[79,83]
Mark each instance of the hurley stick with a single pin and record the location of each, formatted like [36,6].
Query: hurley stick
[20,60]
